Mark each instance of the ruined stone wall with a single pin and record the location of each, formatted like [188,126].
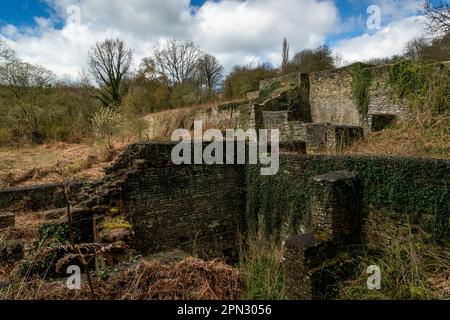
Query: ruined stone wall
[331,98]
[196,208]
[330,139]
[228,116]
[397,193]
[332,101]
[39,197]
[382,99]
[239,115]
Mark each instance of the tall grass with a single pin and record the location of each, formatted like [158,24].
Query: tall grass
[261,262]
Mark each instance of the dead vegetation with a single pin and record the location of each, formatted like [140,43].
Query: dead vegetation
[41,164]
[189,279]
[424,135]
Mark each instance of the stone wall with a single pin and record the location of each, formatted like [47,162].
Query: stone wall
[329,138]
[396,193]
[193,208]
[382,99]
[331,98]
[196,208]
[332,101]
[228,116]
[239,115]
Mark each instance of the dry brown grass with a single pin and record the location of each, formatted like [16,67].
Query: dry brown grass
[189,279]
[162,124]
[29,165]
[424,135]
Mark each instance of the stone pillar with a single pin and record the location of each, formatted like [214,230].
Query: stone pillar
[7,219]
[304,261]
[336,206]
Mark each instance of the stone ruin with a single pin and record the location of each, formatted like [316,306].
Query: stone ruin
[203,210]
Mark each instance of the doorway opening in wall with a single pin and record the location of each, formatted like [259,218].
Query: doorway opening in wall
[381,121]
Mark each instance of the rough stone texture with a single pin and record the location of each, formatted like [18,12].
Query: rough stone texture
[336,206]
[385,230]
[11,250]
[253,95]
[329,138]
[291,79]
[396,192]
[382,100]
[311,268]
[37,198]
[7,219]
[331,98]
[197,208]
[194,208]
[227,116]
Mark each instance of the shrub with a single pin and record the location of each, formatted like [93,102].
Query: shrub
[107,123]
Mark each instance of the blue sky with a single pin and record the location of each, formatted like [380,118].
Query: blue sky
[237,31]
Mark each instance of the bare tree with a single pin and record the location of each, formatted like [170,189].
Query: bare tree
[210,72]
[176,61]
[6,53]
[24,86]
[285,56]
[437,13]
[415,48]
[109,63]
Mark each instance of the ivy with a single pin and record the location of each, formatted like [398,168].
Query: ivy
[360,86]
[423,85]
[267,92]
[387,184]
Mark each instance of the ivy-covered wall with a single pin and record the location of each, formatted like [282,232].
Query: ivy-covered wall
[395,191]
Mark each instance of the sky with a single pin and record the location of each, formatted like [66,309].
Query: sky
[57,34]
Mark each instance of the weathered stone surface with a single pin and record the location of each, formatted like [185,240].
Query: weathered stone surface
[114,235]
[336,206]
[307,262]
[39,197]
[193,208]
[329,138]
[7,219]
[11,250]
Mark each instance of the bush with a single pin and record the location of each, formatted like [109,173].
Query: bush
[107,123]
[6,136]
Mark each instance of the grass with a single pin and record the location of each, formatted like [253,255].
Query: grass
[413,271]
[28,165]
[261,262]
[423,135]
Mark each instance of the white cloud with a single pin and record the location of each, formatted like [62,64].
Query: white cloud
[236,31]
[388,41]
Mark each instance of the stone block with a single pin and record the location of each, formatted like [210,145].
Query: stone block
[336,205]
